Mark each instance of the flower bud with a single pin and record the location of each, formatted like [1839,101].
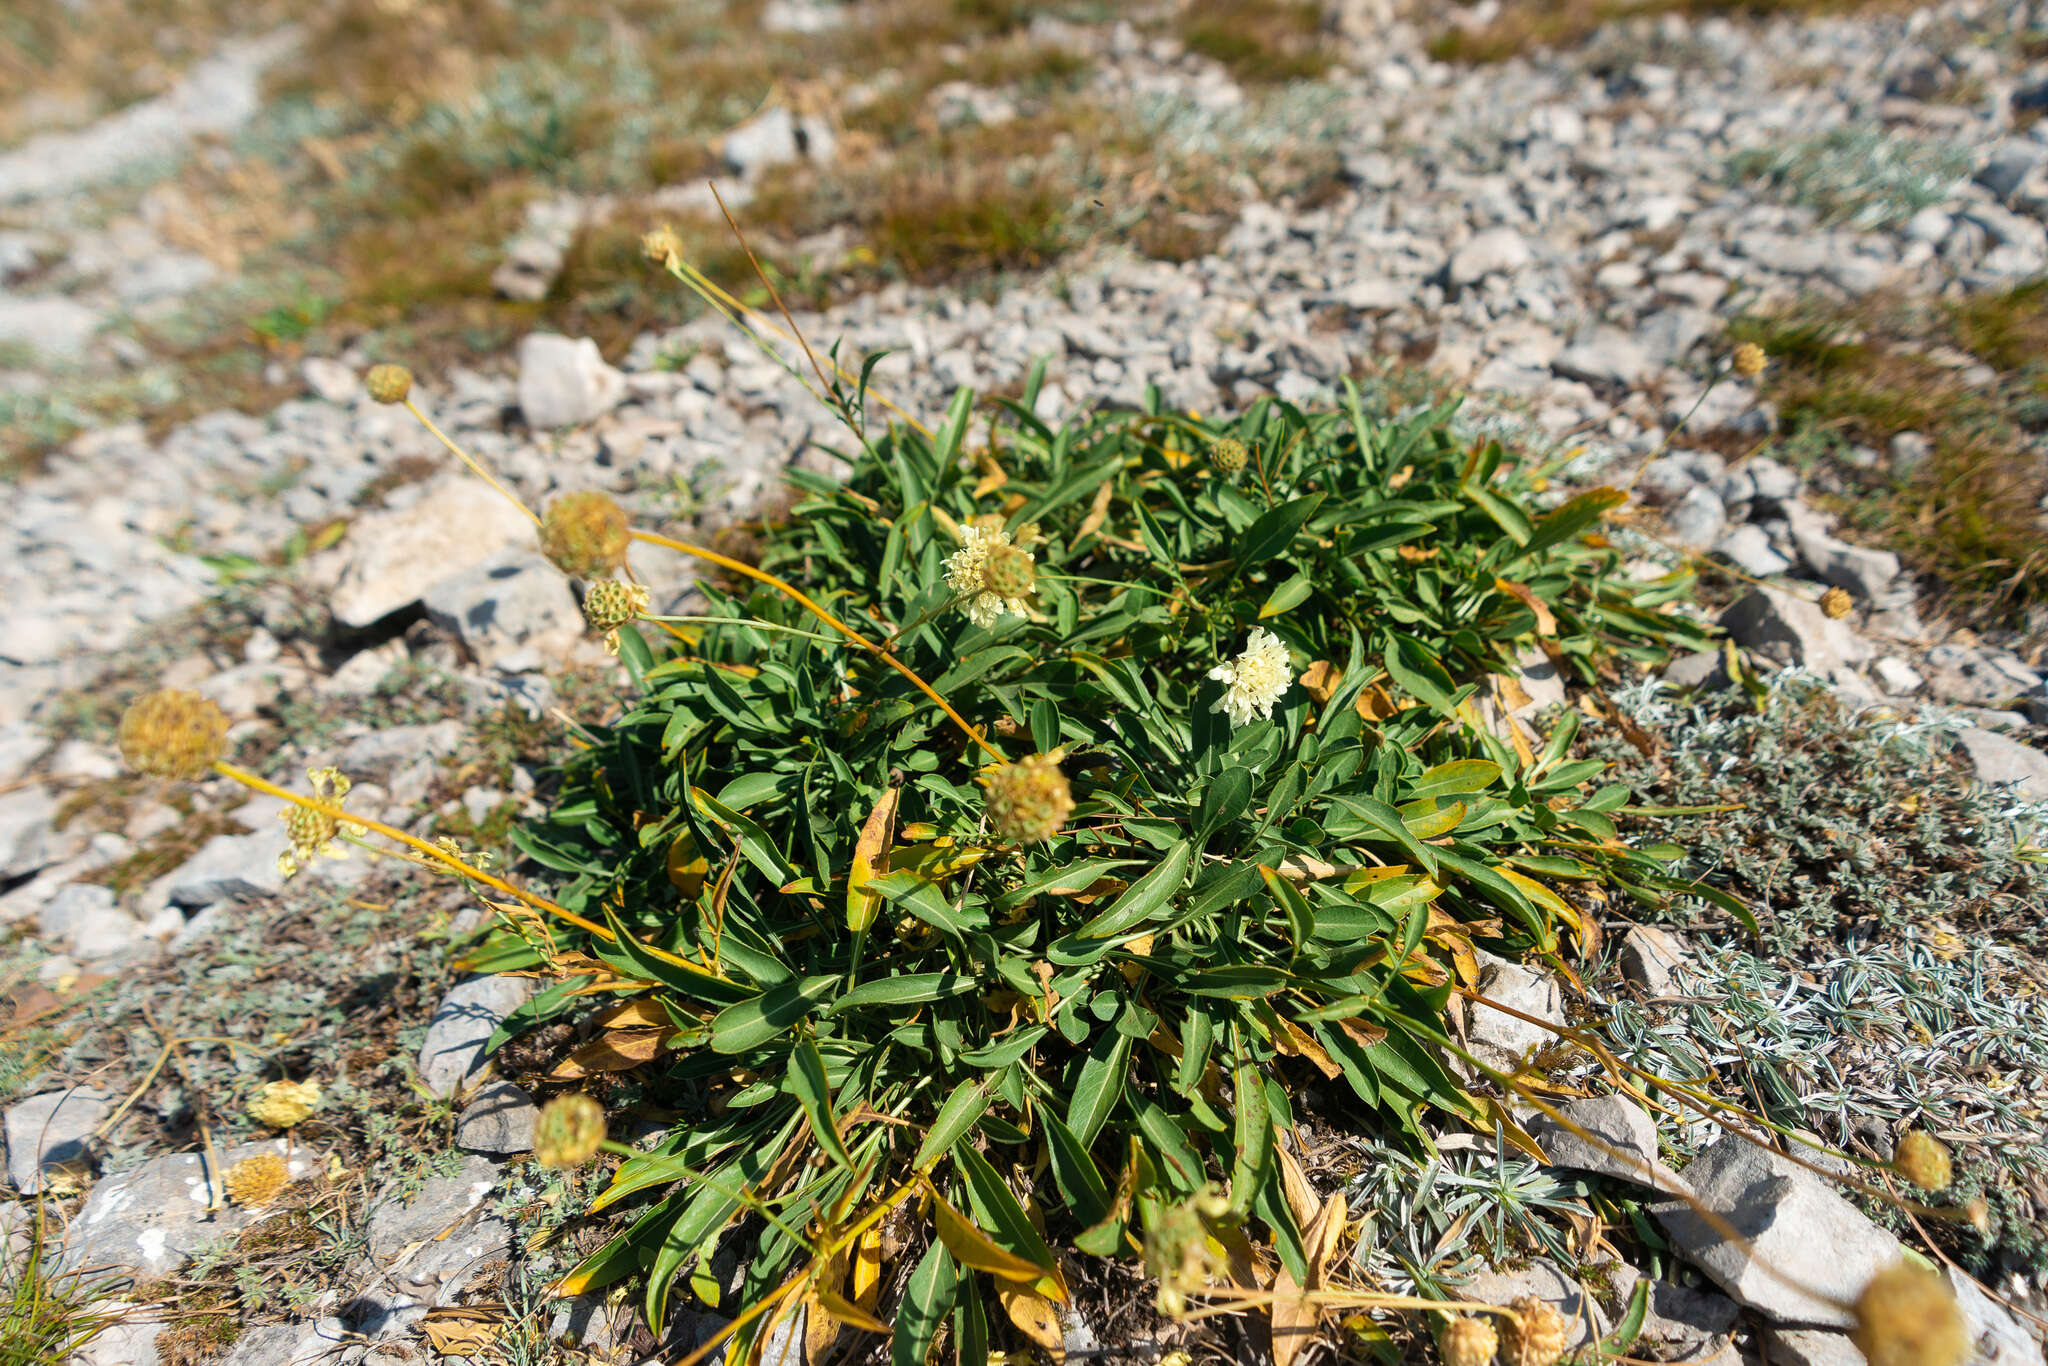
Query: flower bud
[609,605]
[1923,1160]
[1749,360]
[282,1104]
[1837,603]
[585,535]
[568,1131]
[388,383]
[173,735]
[1228,456]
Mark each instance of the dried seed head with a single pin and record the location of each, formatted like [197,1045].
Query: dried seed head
[388,383]
[173,735]
[1749,360]
[1537,1335]
[257,1180]
[1468,1341]
[1923,1160]
[1029,800]
[662,246]
[1007,727]
[1837,603]
[281,1104]
[609,604]
[1907,1317]
[1228,456]
[585,535]
[568,1132]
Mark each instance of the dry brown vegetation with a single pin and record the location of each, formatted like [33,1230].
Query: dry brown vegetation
[1526,25]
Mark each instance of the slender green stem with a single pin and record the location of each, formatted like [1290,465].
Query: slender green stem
[749,622]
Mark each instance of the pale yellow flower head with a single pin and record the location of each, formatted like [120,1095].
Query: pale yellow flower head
[314,833]
[257,1180]
[1255,680]
[1906,1316]
[282,1104]
[992,576]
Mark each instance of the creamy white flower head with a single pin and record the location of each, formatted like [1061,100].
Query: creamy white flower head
[1253,681]
[967,573]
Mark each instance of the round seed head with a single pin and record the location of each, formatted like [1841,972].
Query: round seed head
[1536,1336]
[1029,800]
[661,245]
[585,534]
[1907,1317]
[173,734]
[282,1104]
[1228,456]
[1837,603]
[1923,1160]
[1468,1341]
[257,1180]
[1009,572]
[388,383]
[1749,360]
[568,1131]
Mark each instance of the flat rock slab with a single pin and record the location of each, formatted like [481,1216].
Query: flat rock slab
[50,1130]
[453,1054]
[435,1241]
[1626,1146]
[1810,1252]
[1546,1283]
[153,1219]
[391,559]
[498,1119]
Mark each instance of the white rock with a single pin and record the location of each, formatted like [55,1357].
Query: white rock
[57,327]
[1698,519]
[515,602]
[1604,356]
[390,559]
[1627,1140]
[1791,630]
[330,379]
[1748,547]
[1502,1039]
[1897,677]
[1651,957]
[1496,251]
[774,137]
[564,381]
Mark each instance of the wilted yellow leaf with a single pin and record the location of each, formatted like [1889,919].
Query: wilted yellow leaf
[458,1331]
[1035,1318]
[970,1246]
[875,835]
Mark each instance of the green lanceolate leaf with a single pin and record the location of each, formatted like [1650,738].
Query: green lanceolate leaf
[1099,1084]
[927,1299]
[1271,533]
[753,1024]
[807,1083]
[956,1117]
[1144,898]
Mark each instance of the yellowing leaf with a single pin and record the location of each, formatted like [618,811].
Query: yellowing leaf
[617,1050]
[862,906]
[1319,680]
[971,1247]
[687,866]
[1546,624]
[1097,511]
[848,1313]
[1035,1318]
[867,1269]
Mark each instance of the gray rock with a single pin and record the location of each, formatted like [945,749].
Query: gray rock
[1792,631]
[1748,547]
[1664,480]
[26,830]
[1620,1125]
[1651,958]
[1760,479]
[1996,1337]
[1539,679]
[391,558]
[437,1240]
[1811,1347]
[1503,1039]
[1970,675]
[130,1340]
[498,1119]
[1910,450]
[564,381]
[515,602]
[531,265]
[50,1130]
[1547,1283]
[1855,569]
[1685,1324]
[1702,669]
[801,16]
[84,920]
[1698,519]
[1810,1250]
[775,137]
[58,328]
[2000,761]
[153,1219]
[453,1054]
[377,754]
[1497,251]
[324,1342]
[2009,165]
[225,868]
[1604,356]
